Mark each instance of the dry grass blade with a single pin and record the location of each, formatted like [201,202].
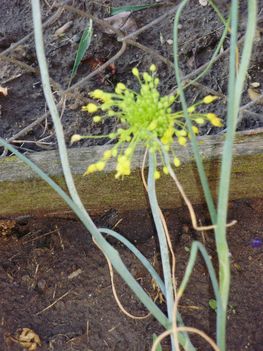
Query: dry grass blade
[131,8]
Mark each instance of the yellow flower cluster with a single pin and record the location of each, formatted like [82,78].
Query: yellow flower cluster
[147,118]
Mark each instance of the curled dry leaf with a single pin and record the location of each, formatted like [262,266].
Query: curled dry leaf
[254,93]
[60,31]
[122,21]
[6,227]
[28,339]
[3,91]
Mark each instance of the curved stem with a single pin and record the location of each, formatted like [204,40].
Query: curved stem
[166,266]
[197,154]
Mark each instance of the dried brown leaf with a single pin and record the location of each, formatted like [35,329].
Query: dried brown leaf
[3,91]
[255,95]
[60,31]
[28,339]
[122,21]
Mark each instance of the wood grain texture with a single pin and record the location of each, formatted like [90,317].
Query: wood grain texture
[23,193]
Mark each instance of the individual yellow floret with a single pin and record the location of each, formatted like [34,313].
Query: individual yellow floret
[91,108]
[209,99]
[135,72]
[75,138]
[157,175]
[123,167]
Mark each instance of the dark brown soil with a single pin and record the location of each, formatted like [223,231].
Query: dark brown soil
[39,256]
[199,34]
[39,290]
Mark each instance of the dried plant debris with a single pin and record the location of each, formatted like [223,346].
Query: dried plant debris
[6,227]
[61,30]
[255,93]
[122,21]
[3,91]
[132,8]
[26,338]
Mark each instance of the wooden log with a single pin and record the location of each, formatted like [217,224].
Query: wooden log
[23,193]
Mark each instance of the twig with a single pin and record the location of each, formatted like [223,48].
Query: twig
[53,303]
[18,63]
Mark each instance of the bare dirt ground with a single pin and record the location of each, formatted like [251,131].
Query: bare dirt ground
[56,282]
[52,278]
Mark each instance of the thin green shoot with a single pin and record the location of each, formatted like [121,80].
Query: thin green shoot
[197,154]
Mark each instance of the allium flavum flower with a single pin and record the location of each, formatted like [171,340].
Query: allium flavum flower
[147,118]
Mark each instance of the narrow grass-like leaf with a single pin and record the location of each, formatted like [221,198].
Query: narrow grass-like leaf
[138,254]
[83,47]
[196,152]
[131,8]
[159,347]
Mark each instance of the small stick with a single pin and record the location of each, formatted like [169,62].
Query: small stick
[53,303]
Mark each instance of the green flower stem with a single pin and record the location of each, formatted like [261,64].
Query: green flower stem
[169,295]
[219,14]
[75,203]
[235,88]
[197,155]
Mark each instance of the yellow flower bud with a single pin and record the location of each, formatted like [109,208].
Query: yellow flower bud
[209,99]
[91,169]
[135,72]
[97,94]
[156,81]
[195,129]
[217,122]
[91,108]
[177,162]
[146,77]
[120,87]
[210,116]
[123,166]
[214,119]
[182,140]
[100,165]
[199,120]
[153,68]
[157,175]
[96,119]
[181,133]
[165,170]
[152,125]
[191,109]
[107,154]
[75,138]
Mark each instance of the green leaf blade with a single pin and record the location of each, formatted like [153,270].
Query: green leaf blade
[83,47]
